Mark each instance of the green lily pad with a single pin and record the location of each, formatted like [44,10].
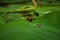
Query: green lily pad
[23,30]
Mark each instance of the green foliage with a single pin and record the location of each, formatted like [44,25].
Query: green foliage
[23,30]
[13,26]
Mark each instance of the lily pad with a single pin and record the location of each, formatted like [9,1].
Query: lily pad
[23,30]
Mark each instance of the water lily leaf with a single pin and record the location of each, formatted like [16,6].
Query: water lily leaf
[22,30]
